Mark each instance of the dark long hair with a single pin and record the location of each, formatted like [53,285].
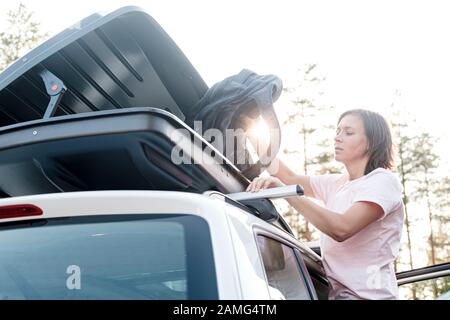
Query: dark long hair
[380,148]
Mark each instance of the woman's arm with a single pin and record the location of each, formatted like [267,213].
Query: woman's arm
[280,170]
[340,227]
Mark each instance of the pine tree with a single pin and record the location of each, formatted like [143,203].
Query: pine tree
[316,157]
[425,165]
[434,191]
[405,168]
[22,34]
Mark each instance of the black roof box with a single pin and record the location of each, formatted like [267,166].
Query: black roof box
[131,149]
[125,88]
[120,60]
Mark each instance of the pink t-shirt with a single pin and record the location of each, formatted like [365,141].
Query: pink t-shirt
[361,267]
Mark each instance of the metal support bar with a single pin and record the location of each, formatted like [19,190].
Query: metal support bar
[55,88]
[273,193]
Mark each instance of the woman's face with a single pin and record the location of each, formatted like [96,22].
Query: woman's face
[350,142]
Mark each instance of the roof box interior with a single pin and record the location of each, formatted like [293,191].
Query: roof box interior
[127,87]
[120,60]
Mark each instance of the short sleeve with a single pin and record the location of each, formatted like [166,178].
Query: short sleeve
[324,185]
[382,188]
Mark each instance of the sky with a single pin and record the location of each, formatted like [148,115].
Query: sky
[367,50]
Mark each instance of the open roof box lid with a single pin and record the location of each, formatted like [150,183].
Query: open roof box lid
[99,107]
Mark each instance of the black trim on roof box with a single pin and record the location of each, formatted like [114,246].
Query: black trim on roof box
[112,150]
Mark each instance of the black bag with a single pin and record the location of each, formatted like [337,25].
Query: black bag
[236,103]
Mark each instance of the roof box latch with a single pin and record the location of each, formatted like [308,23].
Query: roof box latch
[55,88]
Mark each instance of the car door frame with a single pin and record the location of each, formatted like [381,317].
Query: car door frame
[423,274]
[259,231]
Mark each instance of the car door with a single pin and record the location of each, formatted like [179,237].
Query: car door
[428,283]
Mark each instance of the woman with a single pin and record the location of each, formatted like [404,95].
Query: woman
[362,220]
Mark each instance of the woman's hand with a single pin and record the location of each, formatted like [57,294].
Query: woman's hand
[260,183]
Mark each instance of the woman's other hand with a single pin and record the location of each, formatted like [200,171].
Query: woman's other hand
[260,183]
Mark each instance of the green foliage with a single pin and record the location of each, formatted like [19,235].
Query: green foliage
[426,290]
[307,117]
[405,169]
[22,34]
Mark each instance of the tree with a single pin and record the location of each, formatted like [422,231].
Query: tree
[316,158]
[304,108]
[323,161]
[442,217]
[22,34]
[441,221]
[425,163]
[405,168]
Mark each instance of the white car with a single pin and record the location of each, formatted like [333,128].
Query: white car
[92,205]
[149,245]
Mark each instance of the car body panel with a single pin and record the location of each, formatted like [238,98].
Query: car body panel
[239,270]
[145,202]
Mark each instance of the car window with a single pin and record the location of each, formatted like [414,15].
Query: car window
[109,257]
[283,272]
[431,289]
[321,288]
